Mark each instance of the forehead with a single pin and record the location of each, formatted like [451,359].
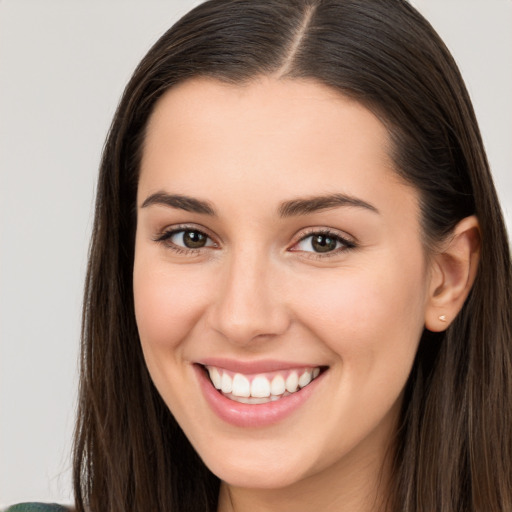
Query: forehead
[275,106]
[298,135]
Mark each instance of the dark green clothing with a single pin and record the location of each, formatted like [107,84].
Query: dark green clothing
[37,507]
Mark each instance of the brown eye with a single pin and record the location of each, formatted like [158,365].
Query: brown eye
[194,239]
[186,239]
[323,243]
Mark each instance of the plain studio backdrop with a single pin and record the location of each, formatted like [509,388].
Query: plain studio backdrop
[63,66]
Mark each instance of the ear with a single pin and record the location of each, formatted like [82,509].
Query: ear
[453,271]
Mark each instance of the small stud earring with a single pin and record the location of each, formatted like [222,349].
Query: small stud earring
[442,318]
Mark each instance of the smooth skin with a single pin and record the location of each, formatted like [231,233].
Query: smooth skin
[242,280]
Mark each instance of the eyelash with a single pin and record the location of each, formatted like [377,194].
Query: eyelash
[346,244]
[164,238]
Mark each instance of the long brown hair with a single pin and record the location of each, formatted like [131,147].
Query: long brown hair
[454,446]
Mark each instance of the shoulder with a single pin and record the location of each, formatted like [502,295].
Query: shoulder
[37,507]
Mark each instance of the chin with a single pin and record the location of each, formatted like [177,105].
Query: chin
[258,464]
[256,476]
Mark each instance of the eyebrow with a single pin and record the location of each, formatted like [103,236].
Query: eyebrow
[294,207]
[317,203]
[180,202]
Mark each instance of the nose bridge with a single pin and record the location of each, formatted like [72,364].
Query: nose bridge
[248,306]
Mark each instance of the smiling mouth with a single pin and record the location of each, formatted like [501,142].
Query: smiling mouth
[263,387]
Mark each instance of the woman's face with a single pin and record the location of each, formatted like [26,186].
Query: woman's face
[276,246]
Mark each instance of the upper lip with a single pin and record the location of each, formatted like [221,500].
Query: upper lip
[251,367]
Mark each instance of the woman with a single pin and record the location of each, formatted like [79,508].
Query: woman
[299,286]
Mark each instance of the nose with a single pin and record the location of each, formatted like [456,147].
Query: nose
[249,305]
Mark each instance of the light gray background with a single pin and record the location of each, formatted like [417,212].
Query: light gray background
[63,65]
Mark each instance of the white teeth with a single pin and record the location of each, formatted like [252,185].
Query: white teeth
[292,381]
[260,390]
[215,377]
[260,387]
[226,383]
[305,379]
[241,385]
[277,386]
[249,400]
[241,399]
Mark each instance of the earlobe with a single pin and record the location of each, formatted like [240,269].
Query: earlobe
[454,268]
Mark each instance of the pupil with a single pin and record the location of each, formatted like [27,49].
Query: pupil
[194,239]
[323,243]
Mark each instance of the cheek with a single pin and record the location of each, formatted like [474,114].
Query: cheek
[167,308]
[167,304]
[369,315]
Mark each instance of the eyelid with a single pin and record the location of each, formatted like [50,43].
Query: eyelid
[165,234]
[348,241]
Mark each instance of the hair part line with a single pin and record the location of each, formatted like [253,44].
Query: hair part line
[295,44]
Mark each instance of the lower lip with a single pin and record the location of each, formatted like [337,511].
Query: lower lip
[255,415]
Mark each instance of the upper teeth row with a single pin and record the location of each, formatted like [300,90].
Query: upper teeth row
[260,386]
